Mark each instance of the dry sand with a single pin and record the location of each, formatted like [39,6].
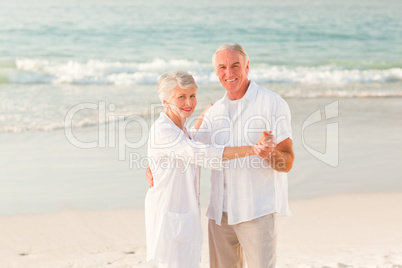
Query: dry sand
[336,231]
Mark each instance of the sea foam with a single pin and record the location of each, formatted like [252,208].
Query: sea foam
[99,72]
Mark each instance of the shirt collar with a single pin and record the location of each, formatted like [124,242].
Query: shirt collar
[167,119]
[251,93]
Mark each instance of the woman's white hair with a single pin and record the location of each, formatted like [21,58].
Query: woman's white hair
[171,80]
[231,46]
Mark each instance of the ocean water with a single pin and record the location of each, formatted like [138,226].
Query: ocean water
[52,53]
[55,55]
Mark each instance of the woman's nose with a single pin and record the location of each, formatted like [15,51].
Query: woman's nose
[188,101]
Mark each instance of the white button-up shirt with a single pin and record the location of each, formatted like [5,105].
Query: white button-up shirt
[172,213]
[252,188]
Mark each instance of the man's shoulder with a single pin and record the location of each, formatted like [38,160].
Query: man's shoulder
[264,94]
[219,102]
[215,108]
[265,91]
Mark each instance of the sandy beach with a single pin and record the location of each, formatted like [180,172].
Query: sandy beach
[69,207]
[74,73]
[336,231]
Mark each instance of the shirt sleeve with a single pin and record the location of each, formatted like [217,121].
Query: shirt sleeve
[282,126]
[176,145]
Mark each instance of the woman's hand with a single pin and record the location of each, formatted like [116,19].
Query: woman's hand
[201,118]
[150,178]
[206,109]
[265,145]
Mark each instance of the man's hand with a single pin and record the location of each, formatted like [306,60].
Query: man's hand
[265,145]
[150,178]
[279,156]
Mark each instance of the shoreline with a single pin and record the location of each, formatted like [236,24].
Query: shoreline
[358,230]
[43,172]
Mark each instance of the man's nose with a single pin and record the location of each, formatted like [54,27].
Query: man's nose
[229,71]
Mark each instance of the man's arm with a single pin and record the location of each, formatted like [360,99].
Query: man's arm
[279,156]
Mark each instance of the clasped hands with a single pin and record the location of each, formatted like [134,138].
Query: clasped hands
[265,145]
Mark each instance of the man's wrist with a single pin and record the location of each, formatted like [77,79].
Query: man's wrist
[271,154]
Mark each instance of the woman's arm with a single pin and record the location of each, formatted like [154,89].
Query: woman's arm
[201,118]
[244,151]
[237,152]
[228,154]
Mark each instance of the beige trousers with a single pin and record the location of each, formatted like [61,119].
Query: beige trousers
[256,239]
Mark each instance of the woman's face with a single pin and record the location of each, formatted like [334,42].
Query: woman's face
[183,102]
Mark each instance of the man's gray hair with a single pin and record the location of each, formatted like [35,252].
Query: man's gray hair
[231,46]
[171,80]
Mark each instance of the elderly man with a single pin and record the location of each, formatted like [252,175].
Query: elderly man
[247,195]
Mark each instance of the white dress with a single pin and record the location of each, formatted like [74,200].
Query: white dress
[172,210]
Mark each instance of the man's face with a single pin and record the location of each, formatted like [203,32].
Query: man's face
[232,71]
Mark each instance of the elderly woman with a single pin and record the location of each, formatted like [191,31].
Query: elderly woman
[172,206]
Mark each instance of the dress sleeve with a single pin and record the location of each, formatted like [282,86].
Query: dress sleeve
[176,145]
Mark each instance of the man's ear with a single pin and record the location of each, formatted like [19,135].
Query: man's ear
[247,66]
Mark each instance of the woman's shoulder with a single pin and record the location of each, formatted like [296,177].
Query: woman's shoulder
[164,126]
[164,131]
